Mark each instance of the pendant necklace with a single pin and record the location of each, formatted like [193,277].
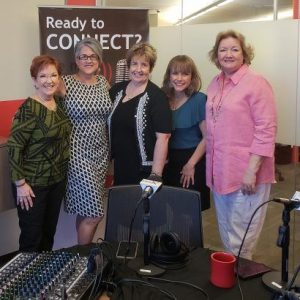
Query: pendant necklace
[217,102]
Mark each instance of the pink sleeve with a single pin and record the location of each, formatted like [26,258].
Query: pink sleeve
[263,110]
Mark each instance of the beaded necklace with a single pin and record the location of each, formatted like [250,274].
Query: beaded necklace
[217,101]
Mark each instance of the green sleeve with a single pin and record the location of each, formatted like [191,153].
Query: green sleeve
[22,128]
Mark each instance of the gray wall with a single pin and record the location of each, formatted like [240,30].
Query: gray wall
[277,58]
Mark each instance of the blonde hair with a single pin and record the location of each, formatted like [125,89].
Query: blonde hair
[142,49]
[247,50]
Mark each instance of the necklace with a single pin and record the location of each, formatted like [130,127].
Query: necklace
[48,103]
[215,112]
[132,91]
[217,101]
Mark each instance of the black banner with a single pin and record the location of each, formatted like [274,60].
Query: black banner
[116,30]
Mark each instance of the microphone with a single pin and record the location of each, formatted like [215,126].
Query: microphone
[149,187]
[294,201]
[283,200]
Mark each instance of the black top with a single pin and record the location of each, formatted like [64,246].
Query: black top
[123,143]
[133,126]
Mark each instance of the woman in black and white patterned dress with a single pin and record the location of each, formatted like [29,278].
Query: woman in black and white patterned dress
[88,105]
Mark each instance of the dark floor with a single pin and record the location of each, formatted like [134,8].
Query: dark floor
[266,251]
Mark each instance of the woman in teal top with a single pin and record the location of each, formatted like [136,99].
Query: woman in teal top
[186,165]
[38,154]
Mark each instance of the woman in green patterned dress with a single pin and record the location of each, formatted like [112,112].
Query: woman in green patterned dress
[38,153]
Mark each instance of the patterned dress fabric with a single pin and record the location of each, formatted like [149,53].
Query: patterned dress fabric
[88,107]
[38,145]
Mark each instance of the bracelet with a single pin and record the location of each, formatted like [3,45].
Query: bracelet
[155,177]
[19,185]
[154,174]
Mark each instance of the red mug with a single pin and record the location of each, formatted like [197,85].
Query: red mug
[222,269]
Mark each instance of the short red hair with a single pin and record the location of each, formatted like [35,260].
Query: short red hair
[41,61]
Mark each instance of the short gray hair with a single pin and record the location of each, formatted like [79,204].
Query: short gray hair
[92,43]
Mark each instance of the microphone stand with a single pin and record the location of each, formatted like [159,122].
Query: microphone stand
[144,267]
[277,281]
[146,230]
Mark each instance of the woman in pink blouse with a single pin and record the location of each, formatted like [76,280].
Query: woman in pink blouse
[241,130]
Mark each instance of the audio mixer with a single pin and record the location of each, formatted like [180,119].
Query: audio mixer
[48,275]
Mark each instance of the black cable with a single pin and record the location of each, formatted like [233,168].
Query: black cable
[110,283]
[142,282]
[106,243]
[170,265]
[98,250]
[290,284]
[241,246]
[97,278]
[182,283]
[109,257]
[100,274]
[93,287]
[172,262]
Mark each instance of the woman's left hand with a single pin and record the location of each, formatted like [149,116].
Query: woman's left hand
[249,182]
[187,175]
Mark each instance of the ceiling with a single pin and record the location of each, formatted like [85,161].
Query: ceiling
[168,12]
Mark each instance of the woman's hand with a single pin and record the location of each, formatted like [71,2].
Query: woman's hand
[24,196]
[188,170]
[187,175]
[249,179]
[249,182]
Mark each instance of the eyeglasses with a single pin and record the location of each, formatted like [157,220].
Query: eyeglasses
[85,57]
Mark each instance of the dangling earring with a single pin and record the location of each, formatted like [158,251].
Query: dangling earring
[36,87]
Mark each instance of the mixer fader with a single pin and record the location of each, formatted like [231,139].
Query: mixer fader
[49,275]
